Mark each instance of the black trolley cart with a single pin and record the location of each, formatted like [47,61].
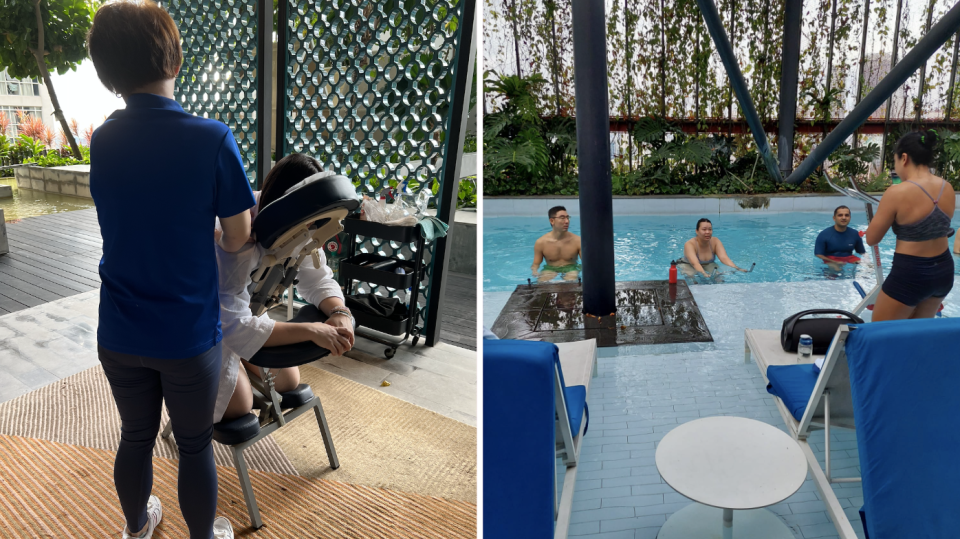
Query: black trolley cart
[381,270]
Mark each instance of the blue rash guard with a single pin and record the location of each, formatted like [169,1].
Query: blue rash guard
[840,244]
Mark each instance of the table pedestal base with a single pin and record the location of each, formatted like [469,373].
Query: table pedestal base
[697,521]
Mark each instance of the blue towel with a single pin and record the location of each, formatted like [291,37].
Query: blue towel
[904,378]
[432,228]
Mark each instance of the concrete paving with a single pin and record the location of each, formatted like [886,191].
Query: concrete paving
[45,343]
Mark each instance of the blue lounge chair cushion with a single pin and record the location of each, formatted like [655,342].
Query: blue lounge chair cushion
[576,399]
[520,452]
[794,385]
[903,378]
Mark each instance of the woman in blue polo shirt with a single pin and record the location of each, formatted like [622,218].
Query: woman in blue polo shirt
[159,178]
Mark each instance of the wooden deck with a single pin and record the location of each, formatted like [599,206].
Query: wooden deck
[51,257]
[55,256]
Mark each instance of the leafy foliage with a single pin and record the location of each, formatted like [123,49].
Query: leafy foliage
[66,23]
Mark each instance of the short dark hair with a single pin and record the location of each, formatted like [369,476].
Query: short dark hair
[288,172]
[840,208]
[133,44]
[921,146]
[552,212]
[704,220]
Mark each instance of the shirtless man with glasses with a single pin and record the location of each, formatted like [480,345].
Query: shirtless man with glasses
[560,248]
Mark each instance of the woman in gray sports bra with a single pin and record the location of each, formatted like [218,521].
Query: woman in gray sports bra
[923,270]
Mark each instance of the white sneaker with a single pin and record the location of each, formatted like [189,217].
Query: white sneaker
[222,529]
[154,514]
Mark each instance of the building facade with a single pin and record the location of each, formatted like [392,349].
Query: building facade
[28,95]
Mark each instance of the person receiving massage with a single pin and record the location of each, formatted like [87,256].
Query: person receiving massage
[701,252]
[835,245]
[919,210]
[243,333]
[560,248]
[159,333]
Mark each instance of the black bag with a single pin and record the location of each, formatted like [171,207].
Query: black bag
[821,330]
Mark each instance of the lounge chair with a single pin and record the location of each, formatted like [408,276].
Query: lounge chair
[809,401]
[534,406]
[290,229]
[904,377]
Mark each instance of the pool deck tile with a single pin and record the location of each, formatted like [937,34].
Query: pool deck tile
[643,392]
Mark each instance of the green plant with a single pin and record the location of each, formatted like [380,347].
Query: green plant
[467,193]
[25,148]
[523,153]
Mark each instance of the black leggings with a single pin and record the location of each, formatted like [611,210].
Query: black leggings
[916,278]
[189,386]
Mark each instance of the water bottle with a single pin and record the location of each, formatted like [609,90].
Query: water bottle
[673,272]
[805,348]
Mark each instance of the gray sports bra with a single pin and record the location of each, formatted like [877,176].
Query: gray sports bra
[935,225]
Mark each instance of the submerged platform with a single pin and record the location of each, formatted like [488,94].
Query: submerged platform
[648,312]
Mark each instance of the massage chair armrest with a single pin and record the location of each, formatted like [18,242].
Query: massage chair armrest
[294,355]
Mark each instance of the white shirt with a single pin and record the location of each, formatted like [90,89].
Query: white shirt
[243,333]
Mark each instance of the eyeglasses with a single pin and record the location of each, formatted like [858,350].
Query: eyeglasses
[562,217]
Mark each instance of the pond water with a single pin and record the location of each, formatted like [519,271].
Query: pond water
[29,203]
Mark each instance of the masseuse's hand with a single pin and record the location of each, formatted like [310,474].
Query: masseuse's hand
[342,322]
[336,339]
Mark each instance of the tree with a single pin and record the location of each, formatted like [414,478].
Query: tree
[40,35]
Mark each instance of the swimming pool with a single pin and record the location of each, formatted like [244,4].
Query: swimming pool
[781,244]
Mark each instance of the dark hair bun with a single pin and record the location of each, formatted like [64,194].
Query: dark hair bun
[929,138]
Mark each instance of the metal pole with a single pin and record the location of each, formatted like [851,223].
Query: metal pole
[792,18]
[893,61]
[282,40]
[593,156]
[923,50]
[516,36]
[923,68]
[552,6]
[453,158]
[627,32]
[264,90]
[830,42]
[863,52]
[715,25]
[953,76]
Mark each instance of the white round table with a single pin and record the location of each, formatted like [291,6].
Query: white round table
[728,463]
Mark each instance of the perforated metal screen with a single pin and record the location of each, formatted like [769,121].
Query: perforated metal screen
[218,78]
[369,91]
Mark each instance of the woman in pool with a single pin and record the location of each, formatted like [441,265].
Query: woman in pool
[244,334]
[919,210]
[702,251]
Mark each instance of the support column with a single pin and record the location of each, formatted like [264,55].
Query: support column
[792,18]
[282,41]
[729,59]
[921,52]
[452,160]
[593,156]
[264,88]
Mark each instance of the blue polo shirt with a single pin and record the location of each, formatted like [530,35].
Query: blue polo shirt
[159,177]
[833,243]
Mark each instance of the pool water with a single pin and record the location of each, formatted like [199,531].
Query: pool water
[781,245]
[30,203]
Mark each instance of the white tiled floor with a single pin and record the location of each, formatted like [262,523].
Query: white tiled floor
[644,391]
